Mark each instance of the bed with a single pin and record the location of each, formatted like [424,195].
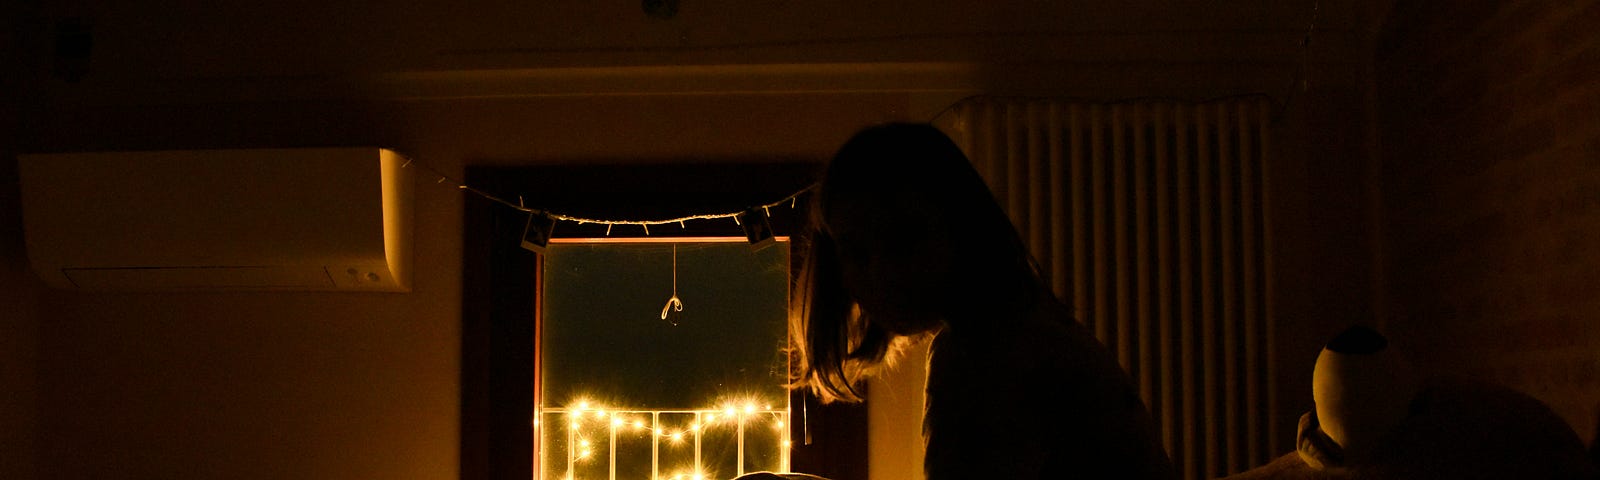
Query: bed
[1455,429]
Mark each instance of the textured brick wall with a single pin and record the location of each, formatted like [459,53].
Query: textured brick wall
[1489,121]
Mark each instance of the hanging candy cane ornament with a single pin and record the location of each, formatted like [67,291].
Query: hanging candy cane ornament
[674,304]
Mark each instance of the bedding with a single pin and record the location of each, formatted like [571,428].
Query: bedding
[1454,429]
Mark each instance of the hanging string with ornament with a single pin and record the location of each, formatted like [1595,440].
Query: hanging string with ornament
[674,304]
[536,233]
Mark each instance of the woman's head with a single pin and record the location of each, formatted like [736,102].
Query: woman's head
[906,239]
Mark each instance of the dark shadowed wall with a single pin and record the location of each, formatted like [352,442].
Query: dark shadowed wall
[1490,121]
[19,289]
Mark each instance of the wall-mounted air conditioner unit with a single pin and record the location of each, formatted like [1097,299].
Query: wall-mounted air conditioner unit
[278,219]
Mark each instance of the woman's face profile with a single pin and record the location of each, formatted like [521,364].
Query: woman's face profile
[895,257]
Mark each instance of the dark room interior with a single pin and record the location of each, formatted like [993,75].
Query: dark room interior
[1431,171]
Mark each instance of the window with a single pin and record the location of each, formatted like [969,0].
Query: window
[501,309]
[636,386]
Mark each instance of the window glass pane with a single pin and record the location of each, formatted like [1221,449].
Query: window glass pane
[629,395]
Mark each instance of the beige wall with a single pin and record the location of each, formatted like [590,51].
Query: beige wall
[332,385]
[894,435]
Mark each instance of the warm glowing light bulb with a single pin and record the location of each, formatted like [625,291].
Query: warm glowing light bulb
[659,433]
[711,417]
[584,454]
[616,422]
[769,407]
[787,444]
[676,436]
[638,424]
[601,413]
[729,411]
[574,425]
[749,408]
[778,424]
[583,443]
[583,406]
[694,427]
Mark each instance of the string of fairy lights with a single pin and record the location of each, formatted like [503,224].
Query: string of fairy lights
[754,220]
[614,422]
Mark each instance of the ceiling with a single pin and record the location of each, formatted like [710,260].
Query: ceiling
[217,50]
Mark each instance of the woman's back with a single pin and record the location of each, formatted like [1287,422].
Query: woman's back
[1039,399]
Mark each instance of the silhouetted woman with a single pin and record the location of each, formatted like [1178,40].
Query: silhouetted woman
[907,243]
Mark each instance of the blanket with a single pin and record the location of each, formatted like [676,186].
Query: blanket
[1454,430]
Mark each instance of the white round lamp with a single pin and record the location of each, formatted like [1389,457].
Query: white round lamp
[1362,389]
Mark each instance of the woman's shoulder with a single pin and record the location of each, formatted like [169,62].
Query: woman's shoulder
[1047,338]
[1050,332]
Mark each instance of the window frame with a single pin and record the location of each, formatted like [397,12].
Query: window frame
[501,284]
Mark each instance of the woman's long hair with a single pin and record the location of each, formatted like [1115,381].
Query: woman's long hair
[835,344]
